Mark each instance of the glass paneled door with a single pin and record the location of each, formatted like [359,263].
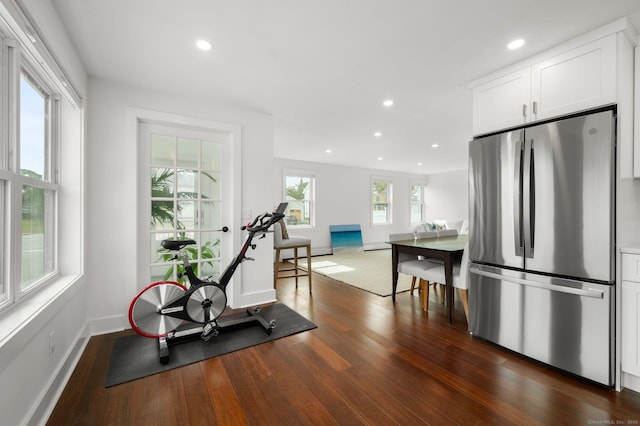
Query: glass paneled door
[182,185]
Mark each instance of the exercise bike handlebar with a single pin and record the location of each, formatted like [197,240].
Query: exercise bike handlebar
[264,221]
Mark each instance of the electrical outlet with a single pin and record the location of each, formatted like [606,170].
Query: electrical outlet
[52,342]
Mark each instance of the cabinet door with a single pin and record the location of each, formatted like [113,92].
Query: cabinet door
[630,327]
[582,78]
[498,104]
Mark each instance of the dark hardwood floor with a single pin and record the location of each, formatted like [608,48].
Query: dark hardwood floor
[369,362]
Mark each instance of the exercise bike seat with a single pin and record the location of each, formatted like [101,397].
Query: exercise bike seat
[176,244]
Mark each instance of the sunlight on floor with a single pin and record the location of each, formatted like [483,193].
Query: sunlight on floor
[328,267]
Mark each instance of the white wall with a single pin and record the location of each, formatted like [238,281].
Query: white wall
[112,196]
[343,197]
[447,196]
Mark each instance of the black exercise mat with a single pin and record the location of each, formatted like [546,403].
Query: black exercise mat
[134,356]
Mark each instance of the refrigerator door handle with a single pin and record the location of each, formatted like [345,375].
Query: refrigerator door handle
[588,292]
[517,199]
[529,199]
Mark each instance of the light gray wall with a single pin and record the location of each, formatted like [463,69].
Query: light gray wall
[447,196]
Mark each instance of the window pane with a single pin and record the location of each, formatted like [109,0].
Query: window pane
[162,150]
[210,254]
[210,182]
[417,203]
[380,192]
[416,213]
[211,245]
[162,214]
[211,215]
[380,205]
[162,183]
[299,195]
[157,251]
[32,131]
[34,265]
[210,155]
[187,184]
[158,273]
[3,286]
[416,193]
[298,213]
[298,187]
[186,215]
[188,153]
[380,214]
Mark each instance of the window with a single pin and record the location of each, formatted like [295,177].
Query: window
[417,207]
[38,189]
[381,201]
[28,179]
[299,190]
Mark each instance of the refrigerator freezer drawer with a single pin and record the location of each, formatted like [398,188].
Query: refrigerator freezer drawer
[564,323]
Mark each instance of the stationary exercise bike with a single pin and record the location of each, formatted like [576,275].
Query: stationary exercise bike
[167,310]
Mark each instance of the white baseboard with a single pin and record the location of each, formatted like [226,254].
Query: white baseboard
[106,325]
[51,392]
[258,298]
[631,382]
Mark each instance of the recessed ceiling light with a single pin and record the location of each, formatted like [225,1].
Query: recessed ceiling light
[419,164]
[377,134]
[515,44]
[388,102]
[328,151]
[203,45]
[435,145]
[380,158]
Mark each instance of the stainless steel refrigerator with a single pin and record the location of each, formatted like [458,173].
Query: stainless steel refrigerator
[541,219]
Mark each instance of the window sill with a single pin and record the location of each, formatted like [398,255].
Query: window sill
[20,323]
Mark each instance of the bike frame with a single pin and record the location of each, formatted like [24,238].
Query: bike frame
[176,307]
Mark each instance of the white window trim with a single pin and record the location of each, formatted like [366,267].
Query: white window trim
[18,59]
[389,181]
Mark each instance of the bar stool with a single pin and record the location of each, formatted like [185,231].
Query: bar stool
[283,241]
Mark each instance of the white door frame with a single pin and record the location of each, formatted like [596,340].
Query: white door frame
[232,172]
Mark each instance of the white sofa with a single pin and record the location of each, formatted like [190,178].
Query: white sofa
[462,226]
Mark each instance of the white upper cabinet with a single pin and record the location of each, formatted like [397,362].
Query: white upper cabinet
[501,103]
[579,78]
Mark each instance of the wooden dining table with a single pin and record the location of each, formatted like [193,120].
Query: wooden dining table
[448,249]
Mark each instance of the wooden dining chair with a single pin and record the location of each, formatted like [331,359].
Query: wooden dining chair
[460,282]
[423,236]
[410,264]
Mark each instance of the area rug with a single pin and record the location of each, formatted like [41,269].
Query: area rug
[134,356]
[367,270]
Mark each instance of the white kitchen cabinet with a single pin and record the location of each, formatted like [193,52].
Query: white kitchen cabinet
[577,79]
[630,321]
[500,103]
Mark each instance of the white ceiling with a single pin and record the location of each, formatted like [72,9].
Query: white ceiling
[323,67]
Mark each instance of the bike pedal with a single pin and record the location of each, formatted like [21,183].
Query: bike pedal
[208,331]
